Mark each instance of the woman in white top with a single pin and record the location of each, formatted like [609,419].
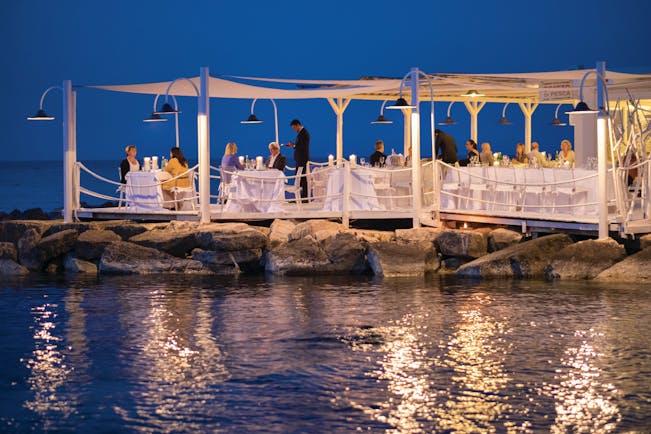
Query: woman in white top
[129,164]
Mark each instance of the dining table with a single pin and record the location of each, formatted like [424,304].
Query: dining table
[363,192]
[256,191]
[144,191]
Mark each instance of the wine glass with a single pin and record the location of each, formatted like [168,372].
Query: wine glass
[362,161]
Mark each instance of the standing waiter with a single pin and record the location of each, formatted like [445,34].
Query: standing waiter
[301,152]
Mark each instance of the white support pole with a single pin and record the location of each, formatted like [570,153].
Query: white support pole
[339,107]
[602,144]
[416,180]
[345,204]
[406,131]
[203,128]
[76,172]
[176,127]
[69,151]
[527,110]
[474,107]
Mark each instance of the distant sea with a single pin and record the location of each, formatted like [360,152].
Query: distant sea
[39,184]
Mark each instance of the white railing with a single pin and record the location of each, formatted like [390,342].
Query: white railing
[122,188]
[509,191]
[636,196]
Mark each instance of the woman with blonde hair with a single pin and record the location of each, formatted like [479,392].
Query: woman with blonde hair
[566,156]
[230,160]
[129,164]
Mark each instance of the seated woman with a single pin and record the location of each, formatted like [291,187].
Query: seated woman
[520,155]
[378,158]
[486,155]
[129,164]
[566,156]
[471,147]
[230,160]
[177,165]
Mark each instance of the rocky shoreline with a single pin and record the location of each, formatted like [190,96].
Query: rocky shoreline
[309,248]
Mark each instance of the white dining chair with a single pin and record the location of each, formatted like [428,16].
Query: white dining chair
[295,189]
[122,190]
[188,194]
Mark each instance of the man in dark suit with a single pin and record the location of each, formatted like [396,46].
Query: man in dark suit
[446,146]
[301,152]
[276,160]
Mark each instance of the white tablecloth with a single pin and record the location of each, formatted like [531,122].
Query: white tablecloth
[142,191]
[257,191]
[491,184]
[363,195]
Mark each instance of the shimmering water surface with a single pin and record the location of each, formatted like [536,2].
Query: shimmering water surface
[161,354]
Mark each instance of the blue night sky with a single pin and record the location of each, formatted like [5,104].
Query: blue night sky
[93,42]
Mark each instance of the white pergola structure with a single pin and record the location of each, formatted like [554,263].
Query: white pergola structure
[527,90]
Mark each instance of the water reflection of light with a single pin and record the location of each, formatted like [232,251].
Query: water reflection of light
[475,354]
[177,363]
[582,402]
[48,366]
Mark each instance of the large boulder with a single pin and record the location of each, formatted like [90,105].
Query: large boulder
[586,259]
[9,267]
[346,253]
[125,230]
[461,243]
[392,259]
[91,244]
[645,241]
[122,257]
[529,259]
[11,230]
[635,268]
[57,244]
[28,253]
[372,236]
[303,256]
[309,227]
[178,243]
[229,262]
[280,230]
[79,227]
[8,251]
[231,241]
[417,235]
[76,265]
[502,238]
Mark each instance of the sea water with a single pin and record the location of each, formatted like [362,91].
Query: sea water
[322,355]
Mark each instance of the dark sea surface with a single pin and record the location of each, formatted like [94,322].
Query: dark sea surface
[322,355]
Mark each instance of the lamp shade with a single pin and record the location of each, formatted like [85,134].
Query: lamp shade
[40,116]
[155,118]
[504,121]
[252,119]
[473,93]
[448,121]
[582,108]
[401,103]
[557,123]
[382,120]
[167,109]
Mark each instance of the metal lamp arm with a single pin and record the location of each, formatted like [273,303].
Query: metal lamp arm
[273,102]
[449,108]
[504,109]
[176,105]
[169,87]
[40,104]
[599,77]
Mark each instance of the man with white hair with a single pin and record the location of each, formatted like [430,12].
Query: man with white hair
[276,160]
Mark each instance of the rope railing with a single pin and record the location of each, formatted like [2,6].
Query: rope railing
[101,178]
[522,205]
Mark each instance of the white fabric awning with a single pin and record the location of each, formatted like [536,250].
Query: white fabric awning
[542,87]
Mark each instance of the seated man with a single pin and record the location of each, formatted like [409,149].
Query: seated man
[536,157]
[378,158]
[486,155]
[276,160]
